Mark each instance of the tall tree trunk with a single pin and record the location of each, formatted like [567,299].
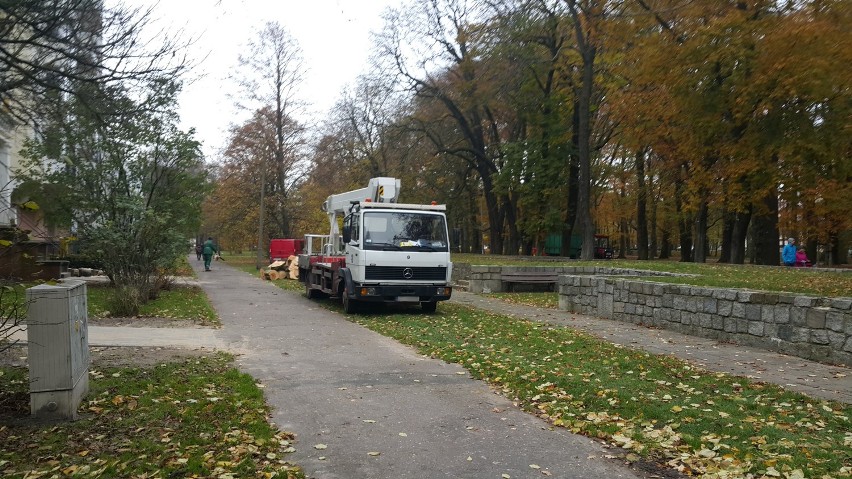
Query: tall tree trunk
[654,245]
[765,230]
[700,242]
[514,242]
[473,234]
[729,218]
[573,180]
[588,50]
[641,207]
[738,236]
[666,244]
[684,224]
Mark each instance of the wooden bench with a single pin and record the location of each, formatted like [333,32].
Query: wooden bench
[530,277]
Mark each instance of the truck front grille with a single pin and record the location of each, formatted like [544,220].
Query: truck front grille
[431,273]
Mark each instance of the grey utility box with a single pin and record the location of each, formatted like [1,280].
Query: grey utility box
[58,348]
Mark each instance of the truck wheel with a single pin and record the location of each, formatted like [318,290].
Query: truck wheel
[349,305]
[429,306]
[310,292]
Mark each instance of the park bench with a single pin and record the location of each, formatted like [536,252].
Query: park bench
[549,278]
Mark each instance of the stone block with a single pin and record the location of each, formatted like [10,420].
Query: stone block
[834,321]
[770,299]
[692,305]
[680,302]
[836,340]
[731,325]
[687,318]
[800,335]
[705,320]
[797,316]
[755,328]
[767,313]
[785,332]
[659,290]
[770,330]
[710,305]
[726,294]
[782,313]
[784,299]
[819,336]
[757,298]
[843,304]
[816,318]
[738,310]
[847,347]
[723,308]
[744,296]
[742,325]
[804,301]
[753,312]
[718,323]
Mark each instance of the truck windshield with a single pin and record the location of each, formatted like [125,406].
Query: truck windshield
[396,231]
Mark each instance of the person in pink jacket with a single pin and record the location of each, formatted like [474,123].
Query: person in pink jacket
[802,258]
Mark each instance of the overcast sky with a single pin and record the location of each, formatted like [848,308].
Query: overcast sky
[334,36]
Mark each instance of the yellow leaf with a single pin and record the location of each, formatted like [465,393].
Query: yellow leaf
[5,243]
[320,446]
[373,453]
[677,409]
[30,205]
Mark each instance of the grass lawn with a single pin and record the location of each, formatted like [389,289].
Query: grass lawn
[180,302]
[546,300]
[765,278]
[196,418]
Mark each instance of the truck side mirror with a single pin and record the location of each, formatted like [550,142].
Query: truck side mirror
[347,232]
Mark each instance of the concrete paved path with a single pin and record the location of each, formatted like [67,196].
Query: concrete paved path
[376,409]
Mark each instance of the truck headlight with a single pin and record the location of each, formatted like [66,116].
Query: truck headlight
[368,291]
[444,291]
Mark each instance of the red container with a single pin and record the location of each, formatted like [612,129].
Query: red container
[280,249]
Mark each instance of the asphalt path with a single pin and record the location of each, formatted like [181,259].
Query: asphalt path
[364,406]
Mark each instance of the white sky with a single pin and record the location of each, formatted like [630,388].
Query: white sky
[334,36]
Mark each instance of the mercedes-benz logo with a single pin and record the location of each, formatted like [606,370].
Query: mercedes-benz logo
[408,273]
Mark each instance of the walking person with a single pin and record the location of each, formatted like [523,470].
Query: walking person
[788,254]
[208,252]
[199,250]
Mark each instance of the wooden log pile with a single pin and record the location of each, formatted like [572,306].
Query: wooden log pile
[286,269]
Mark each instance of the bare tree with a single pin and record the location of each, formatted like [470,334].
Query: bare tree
[68,47]
[270,76]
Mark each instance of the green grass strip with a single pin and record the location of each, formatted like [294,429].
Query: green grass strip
[197,418]
[180,302]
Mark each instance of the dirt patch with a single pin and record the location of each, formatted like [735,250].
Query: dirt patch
[149,323]
[106,357]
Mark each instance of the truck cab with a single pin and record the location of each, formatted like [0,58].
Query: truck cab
[391,252]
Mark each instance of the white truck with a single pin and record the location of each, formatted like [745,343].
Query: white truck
[388,252]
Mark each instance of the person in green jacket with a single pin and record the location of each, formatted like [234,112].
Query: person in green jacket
[208,252]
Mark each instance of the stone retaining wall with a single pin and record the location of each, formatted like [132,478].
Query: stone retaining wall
[814,328]
[486,279]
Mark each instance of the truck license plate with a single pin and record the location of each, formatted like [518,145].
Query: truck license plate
[408,299]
